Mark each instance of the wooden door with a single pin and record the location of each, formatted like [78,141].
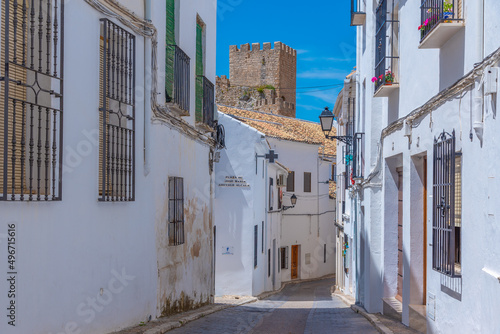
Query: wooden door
[399,295]
[295,262]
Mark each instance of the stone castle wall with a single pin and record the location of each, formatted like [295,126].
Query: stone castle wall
[254,67]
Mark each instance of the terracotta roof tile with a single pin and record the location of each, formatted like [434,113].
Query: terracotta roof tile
[282,127]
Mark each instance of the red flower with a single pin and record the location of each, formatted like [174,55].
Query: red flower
[381,76]
[419,27]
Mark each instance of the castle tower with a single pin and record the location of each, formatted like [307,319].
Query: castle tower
[267,75]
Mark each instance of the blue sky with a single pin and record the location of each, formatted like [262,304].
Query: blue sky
[319,31]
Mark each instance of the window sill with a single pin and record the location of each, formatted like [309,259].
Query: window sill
[176,110]
[358,18]
[386,90]
[441,34]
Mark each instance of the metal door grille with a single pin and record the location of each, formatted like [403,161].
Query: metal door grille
[117,160]
[32,97]
[443,226]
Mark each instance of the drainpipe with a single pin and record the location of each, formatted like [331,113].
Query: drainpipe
[478,112]
[147,93]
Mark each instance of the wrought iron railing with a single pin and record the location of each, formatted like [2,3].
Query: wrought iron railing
[386,48]
[434,12]
[358,161]
[117,114]
[31,124]
[208,102]
[179,83]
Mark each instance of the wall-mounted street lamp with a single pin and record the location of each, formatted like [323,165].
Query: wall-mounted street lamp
[326,119]
[293,199]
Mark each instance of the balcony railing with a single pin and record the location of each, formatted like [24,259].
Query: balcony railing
[208,101]
[358,160]
[436,12]
[386,48]
[179,83]
[358,16]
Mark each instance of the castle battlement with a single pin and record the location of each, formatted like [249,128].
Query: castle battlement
[278,46]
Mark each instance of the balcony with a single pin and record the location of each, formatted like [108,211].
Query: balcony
[440,20]
[386,50]
[358,17]
[177,84]
[358,160]
[208,104]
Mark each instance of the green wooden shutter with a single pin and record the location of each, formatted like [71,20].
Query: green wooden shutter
[199,72]
[170,50]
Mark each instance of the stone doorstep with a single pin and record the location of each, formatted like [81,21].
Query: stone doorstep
[392,308]
[418,318]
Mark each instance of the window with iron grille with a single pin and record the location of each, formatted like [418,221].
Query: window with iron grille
[435,12]
[284,257]
[200,70]
[176,211]
[324,253]
[386,44]
[117,114]
[255,244]
[290,182]
[446,226]
[307,182]
[31,95]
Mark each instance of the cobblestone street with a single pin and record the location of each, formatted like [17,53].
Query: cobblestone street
[299,308]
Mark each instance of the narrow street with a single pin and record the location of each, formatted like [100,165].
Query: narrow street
[299,308]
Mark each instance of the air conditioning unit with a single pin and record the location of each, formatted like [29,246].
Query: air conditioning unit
[281,182]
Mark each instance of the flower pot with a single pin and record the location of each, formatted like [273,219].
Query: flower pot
[448,15]
[388,84]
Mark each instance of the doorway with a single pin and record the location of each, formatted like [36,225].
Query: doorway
[295,262]
[399,295]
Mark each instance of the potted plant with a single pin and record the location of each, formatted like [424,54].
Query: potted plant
[389,77]
[447,11]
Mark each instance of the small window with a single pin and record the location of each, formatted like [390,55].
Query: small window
[262,237]
[307,182]
[271,193]
[284,257]
[255,244]
[268,263]
[176,211]
[324,253]
[280,198]
[290,182]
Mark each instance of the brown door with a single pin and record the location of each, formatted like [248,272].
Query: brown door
[295,261]
[399,295]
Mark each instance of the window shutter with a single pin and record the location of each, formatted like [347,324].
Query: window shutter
[19,74]
[199,72]
[307,182]
[290,182]
[170,50]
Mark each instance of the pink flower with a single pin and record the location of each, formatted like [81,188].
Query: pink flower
[374,79]
[426,22]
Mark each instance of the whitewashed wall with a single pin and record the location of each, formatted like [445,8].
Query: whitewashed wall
[423,74]
[239,209]
[311,224]
[91,267]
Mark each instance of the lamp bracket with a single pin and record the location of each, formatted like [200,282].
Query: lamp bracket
[345,139]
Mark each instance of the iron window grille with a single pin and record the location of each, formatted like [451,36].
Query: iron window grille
[386,47]
[434,12]
[445,252]
[208,101]
[176,211]
[117,114]
[178,86]
[32,55]
[358,160]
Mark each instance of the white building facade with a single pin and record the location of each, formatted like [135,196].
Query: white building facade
[426,97]
[262,240]
[109,211]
